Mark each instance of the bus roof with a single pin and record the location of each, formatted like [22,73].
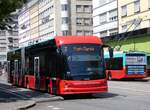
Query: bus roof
[60,40]
[122,53]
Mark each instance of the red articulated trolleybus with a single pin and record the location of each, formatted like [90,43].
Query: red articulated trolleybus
[63,65]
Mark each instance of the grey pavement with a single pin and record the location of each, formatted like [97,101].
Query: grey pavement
[19,105]
[20,98]
[122,95]
[15,98]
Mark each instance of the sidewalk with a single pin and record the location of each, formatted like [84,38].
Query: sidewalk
[28,98]
[20,105]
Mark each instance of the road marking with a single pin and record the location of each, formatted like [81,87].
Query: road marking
[56,108]
[50,106]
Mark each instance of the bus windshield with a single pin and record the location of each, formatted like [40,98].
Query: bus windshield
[85,62]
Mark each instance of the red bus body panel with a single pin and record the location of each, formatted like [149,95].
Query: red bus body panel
[30,82]
[121,74]
[77,40]
[79,87]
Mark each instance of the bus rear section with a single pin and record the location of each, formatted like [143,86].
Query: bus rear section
[126,65]
[136,65]
[64,65]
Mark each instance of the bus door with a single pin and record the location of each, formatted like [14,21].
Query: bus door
[12,72]
[37,72]
[16,71]
[53,77]
[20,75]
[8,71]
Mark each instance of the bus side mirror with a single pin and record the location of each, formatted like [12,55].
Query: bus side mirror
[111,52]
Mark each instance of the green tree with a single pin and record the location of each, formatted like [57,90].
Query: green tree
[6,8]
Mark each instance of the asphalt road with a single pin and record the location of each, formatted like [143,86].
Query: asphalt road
[122,95]
[7,96]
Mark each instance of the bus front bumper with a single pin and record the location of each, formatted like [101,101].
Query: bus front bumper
[80,87]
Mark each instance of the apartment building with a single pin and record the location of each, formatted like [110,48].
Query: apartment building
[105,17]
[133,15]
[40,20]
[8,41]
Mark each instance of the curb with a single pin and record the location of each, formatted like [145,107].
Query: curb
[55,98]
[32,103]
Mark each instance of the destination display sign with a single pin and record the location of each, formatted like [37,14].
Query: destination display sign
[136,60]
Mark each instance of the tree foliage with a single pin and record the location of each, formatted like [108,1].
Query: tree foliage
[6,8]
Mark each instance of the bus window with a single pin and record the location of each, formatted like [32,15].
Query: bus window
[16,67]
[148,65]
[36,66]
[148,60]
[8,67]
[116,64]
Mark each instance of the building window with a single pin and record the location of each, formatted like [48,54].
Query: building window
[65,33]
[45,20]
[87,21]
[2,57]
[103,18]
[79,8]
[124,10]
[65,20]
[79,32]
[113,15]
[3,49]
[88,8]
[103,33]
[87,33]
[13,33]
[102,2]
[124,28]
[64,7]
[113,32]
[23,27]
[2,33]
[137,6]
[79,21]
[149,4]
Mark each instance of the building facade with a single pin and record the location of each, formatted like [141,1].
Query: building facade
[8,41]
[40,20]
[105,17]
[133,15]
